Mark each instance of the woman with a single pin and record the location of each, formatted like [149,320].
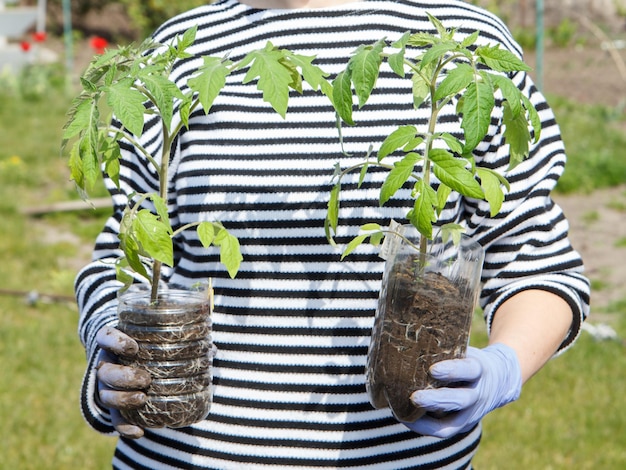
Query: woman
[292,329]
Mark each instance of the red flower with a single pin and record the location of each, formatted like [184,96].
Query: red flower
[25,45]
[39,36]
[98,44]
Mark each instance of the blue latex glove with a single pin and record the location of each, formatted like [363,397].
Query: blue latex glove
[484,380]
[120,387]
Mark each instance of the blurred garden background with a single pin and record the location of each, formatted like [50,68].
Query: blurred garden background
[570,416]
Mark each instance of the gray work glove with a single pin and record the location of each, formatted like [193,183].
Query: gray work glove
[120,387]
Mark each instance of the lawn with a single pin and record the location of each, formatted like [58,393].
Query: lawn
[571,415]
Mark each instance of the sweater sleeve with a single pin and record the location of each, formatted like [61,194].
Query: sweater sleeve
[527,245]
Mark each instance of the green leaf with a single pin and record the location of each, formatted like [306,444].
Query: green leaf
[206,233]
[230,251]
[90,165]
[478,104]
[491,182]
[342,96]
[274,78]
[332,215]
[153,236]
[312,74]
[128,105]
[421,89]
[510,92]
[452,142]
[162,92]
[437,52]
[456,80]
[471,39]
[130,246]
[422,39]
[398,138]
[187,39]
[500,60]
[209,81]
[354,243]
[453,231]
[533,117]
[422,216]
[443,32]
[396,60]
[110,151]
[364,68]
[516,134]
[81,116]
[452,172]
[443,193]
[397,176]
[162,211]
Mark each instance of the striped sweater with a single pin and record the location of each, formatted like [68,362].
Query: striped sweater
[292,329]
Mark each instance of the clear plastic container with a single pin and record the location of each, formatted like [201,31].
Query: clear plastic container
[424,315]
[175,347]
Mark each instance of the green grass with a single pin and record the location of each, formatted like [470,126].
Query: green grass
[570,415]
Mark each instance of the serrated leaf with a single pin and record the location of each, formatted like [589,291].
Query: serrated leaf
[162,92]
[273,77]
[81,117]
[491,182]
[312,74]
[422,39]
[342,97]
[510,92]
[500,60]
[455,80]
[452,172]
[128,106]
[153,236]
[397,176]
[187,39]
[397,139]
[209,81]
[364,68]
[478,103]
[471,39]
[437,24]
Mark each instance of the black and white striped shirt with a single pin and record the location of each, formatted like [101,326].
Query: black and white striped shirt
[292,329]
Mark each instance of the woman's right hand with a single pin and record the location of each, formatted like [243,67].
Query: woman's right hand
[120,387]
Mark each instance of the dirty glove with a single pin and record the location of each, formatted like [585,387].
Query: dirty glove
[120,387]
[484,380]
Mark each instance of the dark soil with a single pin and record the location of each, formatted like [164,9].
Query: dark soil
[423,322]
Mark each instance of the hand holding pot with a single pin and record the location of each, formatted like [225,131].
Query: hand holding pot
[120,387]
[484,380]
